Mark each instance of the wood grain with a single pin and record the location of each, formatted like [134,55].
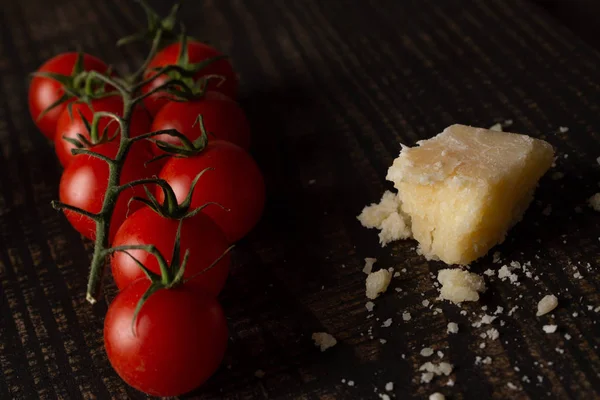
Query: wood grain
[331,88]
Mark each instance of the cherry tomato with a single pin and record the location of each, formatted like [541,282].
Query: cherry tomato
[180,338]
[223,120]
[235,183]
[84,182]
[43,92]
[69,125]
[197,52]
[199,235]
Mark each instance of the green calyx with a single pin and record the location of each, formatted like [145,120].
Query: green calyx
[186,147]
[93,129]
[182,84]
[170,208]
[77,85]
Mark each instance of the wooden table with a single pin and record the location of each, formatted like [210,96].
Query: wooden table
[332,88]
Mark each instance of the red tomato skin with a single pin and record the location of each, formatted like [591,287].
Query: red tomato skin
[181,338]
[197,52]
[84,183]
[236,183]
[222,117]
[69,125]
[199,234]
[43,92]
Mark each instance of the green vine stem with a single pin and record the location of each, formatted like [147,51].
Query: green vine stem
[129,90]
[102,219]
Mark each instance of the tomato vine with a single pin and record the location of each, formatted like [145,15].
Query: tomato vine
[129,89]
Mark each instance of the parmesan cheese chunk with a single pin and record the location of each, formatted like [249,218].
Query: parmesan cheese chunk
[459,285]
[466,187]
[377,283]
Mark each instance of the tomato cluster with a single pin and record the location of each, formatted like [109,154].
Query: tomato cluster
[171,341]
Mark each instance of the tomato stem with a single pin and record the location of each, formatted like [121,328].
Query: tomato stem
[153,49]
[57,205]
[90,153]
[128,90]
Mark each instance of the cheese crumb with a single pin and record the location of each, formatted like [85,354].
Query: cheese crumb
[563,129]
[389,386]
[369,265]
[394,227]
[439,369]
[547,211]
[387,216]
[426,377]
[459,285]
[452,327]
[549,328]
[369,305]
[493,333]
[485,320]
[387,323]
[504,273]
[406,316]
[427,351]
[437,396]
[377,283]
[496,127]
[546,304]
[594,202]
[324,340]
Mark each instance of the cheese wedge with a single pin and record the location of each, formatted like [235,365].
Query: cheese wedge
[466,187]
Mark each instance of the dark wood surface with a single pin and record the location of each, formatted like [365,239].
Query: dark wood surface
[332,88]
